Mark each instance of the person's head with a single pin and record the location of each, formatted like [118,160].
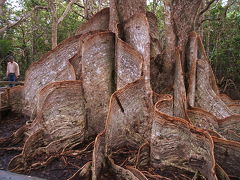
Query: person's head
[10,59]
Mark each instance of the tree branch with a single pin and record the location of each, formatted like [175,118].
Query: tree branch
[79,14]
[65,13]
[229,4]
[206,7]
[210,19]
[2,2]
[79,5]
[23,18]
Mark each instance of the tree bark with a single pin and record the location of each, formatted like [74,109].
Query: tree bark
[56,21]
[2,2]
[138,134]
[53,8]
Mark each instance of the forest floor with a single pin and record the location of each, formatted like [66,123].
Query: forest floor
[64,166]
[60,168]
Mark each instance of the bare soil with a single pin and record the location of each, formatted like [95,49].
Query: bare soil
[60,168]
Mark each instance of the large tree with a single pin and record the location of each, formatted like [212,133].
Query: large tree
[188,130]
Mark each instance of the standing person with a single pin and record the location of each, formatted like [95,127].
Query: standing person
[12,70]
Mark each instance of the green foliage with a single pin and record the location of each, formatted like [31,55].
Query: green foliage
[32,38]
[6,47]
[222,39]
[158,10]
[69,25]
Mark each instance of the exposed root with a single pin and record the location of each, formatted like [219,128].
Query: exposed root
[143,155]
[124,156]
[227,100]
[227,155]
[221,174]
[154,176]
[206,98]
[84,172]
[120,173]
[15,138]
[73,153]
[166,131]
[11,149]
[140,141]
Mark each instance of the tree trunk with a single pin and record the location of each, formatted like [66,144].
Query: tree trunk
[56,21]
[2,2]
[53,8]
[138,133]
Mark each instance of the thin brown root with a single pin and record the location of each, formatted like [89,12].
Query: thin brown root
[138,157]
[76,152]
[82,172]
[11,149]
[154,176]
[39,165]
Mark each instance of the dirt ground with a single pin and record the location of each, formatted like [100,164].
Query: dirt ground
[61,168]
[65,166]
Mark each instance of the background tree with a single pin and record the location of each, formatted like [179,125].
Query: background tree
[2,2]
[29,27]
[221,37]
